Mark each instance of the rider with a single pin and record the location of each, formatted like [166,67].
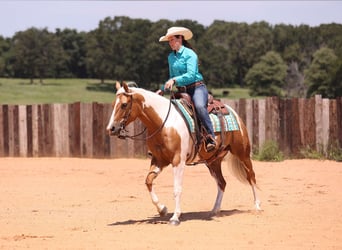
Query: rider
[184,74]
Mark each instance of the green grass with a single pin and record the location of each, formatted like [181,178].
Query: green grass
[234,93]
[269,152]
[20,91]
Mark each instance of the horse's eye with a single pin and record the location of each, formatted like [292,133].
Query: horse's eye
[124,105]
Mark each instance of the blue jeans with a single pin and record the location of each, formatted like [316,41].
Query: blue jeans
[199,96]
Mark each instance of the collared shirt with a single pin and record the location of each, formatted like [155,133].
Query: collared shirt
[183,67]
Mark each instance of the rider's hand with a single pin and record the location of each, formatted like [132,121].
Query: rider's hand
[160,92]
[169,84]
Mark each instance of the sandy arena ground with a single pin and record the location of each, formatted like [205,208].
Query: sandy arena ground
[59,203]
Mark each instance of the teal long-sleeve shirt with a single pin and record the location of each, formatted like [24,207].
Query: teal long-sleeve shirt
[183,67]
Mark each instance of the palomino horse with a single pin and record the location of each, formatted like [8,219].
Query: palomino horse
[170,142]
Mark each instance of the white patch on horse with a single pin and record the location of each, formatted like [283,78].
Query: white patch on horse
[238,120]
[111,120]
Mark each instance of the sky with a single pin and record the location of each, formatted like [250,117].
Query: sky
[85,15]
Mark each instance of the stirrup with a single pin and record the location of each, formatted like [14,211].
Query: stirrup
[210,143]
[210,146]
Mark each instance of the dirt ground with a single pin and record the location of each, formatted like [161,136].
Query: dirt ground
[60,203]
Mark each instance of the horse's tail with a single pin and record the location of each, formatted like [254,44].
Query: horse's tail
[238,169]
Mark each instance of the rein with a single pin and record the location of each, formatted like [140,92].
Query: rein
[133,137]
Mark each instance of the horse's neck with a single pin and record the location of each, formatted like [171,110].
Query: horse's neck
[154,111]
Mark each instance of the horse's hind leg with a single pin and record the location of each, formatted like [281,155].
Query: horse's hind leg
[216,172]
[250,175]
[153,173]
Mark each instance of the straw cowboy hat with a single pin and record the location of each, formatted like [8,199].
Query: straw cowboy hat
[176,31]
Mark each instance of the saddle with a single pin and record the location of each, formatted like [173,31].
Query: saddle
[215,106]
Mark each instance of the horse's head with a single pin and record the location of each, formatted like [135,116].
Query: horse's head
[123,111]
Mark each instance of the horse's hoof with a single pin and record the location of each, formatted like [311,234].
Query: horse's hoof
[257,206]
[163,212]
[214,213]
[174,222]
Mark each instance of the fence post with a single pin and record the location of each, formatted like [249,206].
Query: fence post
[22,131]
[319,123]
[75,129]
[13,130]
[2,132]
[86,117]
[262,132]
[325,124]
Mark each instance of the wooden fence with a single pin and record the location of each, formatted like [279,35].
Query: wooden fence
[78,129]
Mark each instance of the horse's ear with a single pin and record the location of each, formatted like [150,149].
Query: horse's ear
[117,85]
[124,84]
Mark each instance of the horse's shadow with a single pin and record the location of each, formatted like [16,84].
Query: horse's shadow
[203,215]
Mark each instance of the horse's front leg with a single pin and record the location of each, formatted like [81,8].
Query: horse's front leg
[154,172]
[178,172]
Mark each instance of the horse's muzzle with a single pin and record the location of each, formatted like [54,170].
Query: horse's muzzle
[117,130]
[113,128]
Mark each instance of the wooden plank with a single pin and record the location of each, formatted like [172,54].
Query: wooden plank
[262,127]
[255,137]
[242,110]
[319,122]
[333,126]
[29,130]
[2,139]
[283,133]
[10,131]
[107,110]
[74,129]
[40,123]
[22,116]
[301,110]
[61,130]
[13,130]
[98,130]
[309,124]
[325,124]
[249,120]
[35,130]
[86,118]
[275,120]
[339,120]
[268,119]
[295,145]
[48,138]
[6,129]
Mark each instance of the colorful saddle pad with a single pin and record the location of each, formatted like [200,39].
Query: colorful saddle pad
[230,122]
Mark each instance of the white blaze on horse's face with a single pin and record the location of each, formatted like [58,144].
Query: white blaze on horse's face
[117,119]
[111,120]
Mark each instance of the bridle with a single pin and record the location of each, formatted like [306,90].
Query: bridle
[123,132]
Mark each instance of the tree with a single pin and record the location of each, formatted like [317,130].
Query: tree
[37,54]
[320,76]
[115,49]
[216,63]
[5,63]
[267,77]
[99,47]
[73,44]
[155,66]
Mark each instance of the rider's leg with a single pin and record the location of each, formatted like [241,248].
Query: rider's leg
[200,98]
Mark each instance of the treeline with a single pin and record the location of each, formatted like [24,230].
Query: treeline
[281,60]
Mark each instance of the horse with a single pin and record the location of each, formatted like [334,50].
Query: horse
[169,141]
